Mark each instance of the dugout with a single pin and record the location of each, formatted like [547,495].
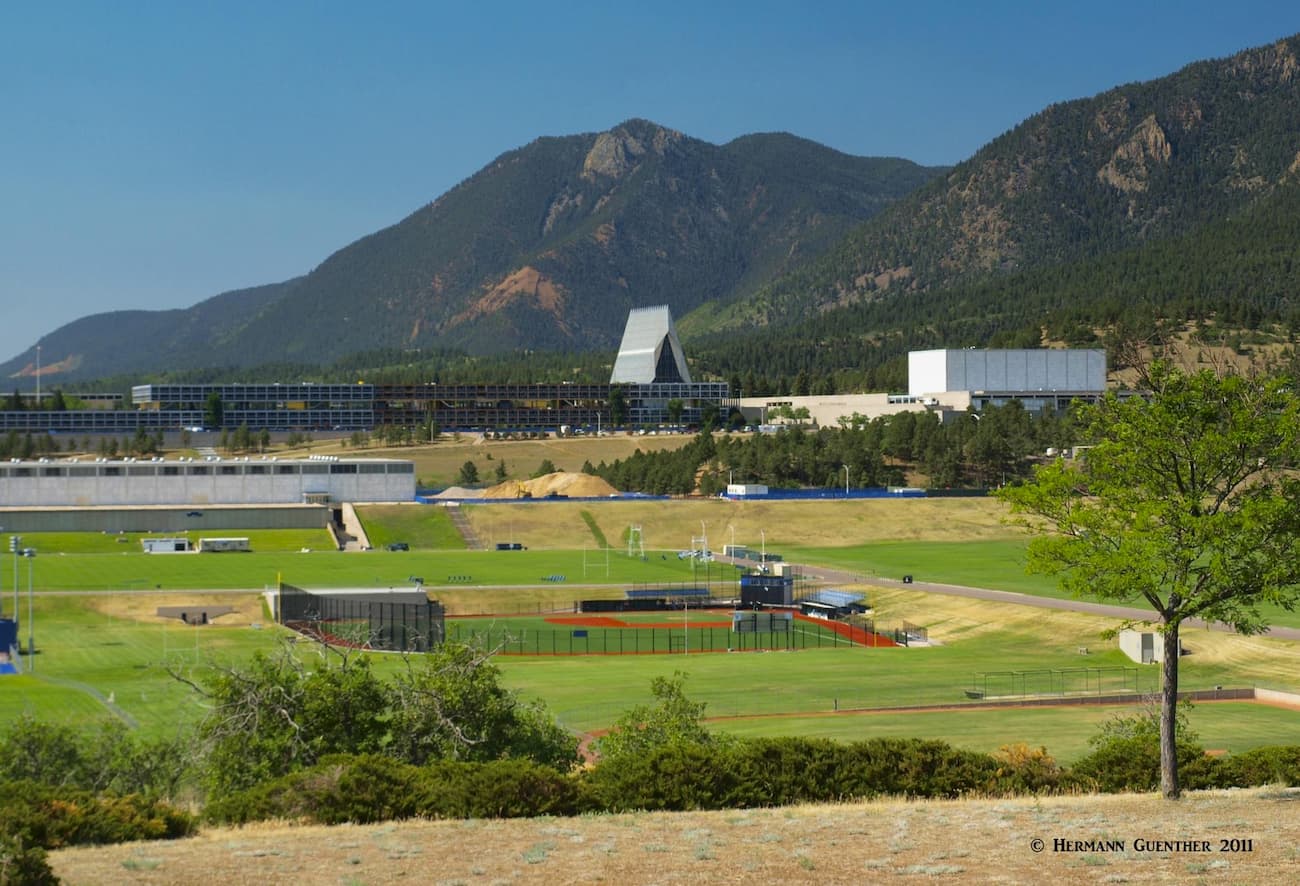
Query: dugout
[650,599]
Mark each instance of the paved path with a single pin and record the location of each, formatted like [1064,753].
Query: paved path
[1070,605]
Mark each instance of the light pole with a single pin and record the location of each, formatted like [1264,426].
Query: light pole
[30,554]
[846,481]
[14,542]
[763,556]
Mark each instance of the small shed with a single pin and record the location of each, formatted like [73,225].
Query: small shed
[1144,647]
[221,545]
[165,545]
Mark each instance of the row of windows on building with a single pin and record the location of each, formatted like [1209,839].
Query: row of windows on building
[200,470]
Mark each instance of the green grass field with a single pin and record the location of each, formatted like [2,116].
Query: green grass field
[92,663]
[131,569]
[423,528]
[94,660]
[95,561]
[1222,726]
[588,696]
[265,540]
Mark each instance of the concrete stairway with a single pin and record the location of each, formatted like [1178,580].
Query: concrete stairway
[461,522]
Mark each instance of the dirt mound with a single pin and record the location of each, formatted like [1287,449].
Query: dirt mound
[561,483]
[460,492]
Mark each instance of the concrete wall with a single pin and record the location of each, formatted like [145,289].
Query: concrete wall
[162,519]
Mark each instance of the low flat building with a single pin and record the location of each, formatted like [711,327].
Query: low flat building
[197,482]
[950,382]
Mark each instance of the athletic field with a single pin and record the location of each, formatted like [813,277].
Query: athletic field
[648,633]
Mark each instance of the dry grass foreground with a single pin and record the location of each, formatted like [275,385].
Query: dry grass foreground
[970,841]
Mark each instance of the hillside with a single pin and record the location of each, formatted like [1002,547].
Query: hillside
[1137,164]
[1229,285]
[548,247]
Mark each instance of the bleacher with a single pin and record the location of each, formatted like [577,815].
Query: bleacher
[833,604]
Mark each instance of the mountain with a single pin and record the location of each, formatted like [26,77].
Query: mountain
[1136,165]
[547,247]
[1151,204]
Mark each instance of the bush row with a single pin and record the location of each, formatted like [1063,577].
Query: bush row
[738,774]
[371,787]
[680,776]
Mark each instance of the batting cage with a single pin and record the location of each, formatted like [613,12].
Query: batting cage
[394,621]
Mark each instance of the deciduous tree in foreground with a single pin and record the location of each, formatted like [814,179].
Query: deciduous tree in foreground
[1188,501]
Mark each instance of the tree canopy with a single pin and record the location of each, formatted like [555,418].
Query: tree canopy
[1186,502]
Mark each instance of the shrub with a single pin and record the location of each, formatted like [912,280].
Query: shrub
[1026,770]
[54,817]
[1260,766]
[1132,763]
[916,768]
[371,788]
[340,788]
[676,777]
[510,788]
[22,862]
[781,771]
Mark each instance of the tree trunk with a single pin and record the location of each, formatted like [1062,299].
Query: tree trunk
[1169,788]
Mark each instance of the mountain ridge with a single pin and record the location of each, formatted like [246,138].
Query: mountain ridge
[547,246]
[1071,223]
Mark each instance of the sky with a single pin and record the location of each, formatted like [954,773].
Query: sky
[155,154]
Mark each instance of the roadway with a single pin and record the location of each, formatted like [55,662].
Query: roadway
[1126,613]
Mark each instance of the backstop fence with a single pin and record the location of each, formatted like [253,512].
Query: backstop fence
[394,622]
[655,640]
[1063,682]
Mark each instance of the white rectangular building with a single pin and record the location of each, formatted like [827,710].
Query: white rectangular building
[197,481]
[1013,372]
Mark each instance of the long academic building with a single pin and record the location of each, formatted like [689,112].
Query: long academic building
[650,374]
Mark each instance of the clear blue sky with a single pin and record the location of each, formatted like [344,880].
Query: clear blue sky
[155,154]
